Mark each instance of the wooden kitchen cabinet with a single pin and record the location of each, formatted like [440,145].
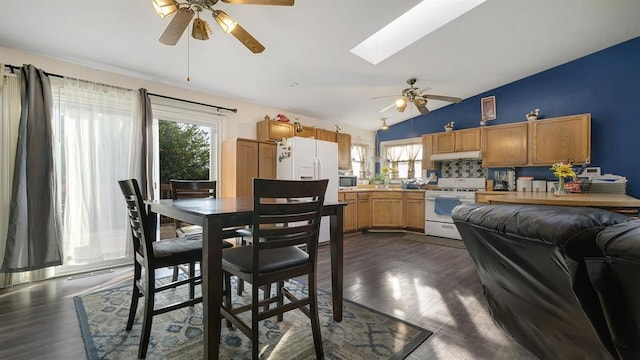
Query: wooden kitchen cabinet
[243,160]
[306,132]
[504,145]
[344,150]
[467,139]
[271,130]
[267,153]
[414,210]
[350,212]
[444,142]
[427,150]
[387,209]
[566,138]
[364,211]
[326,135]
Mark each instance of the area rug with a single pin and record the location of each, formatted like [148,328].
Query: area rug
[362,334]
[436,240]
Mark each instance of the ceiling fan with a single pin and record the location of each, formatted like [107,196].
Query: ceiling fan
[186,10]
[416,96]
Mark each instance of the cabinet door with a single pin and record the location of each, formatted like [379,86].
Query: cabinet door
[364,211]
[415,210]
[387,209]
[560,139]
[326,135]
[427,150]
[267,160]
[468,139]
[247,156]
[444,142]
[307,132]
[350,217]
[344,150]
[270,130]
[504,145]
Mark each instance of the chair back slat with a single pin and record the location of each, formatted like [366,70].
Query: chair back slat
[138,217]
[287,213]
[186,189]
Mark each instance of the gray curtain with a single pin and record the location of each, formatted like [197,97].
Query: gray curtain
[33,236]
[147,145]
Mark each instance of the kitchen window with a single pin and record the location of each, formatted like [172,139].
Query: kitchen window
[359,160]
[404,157]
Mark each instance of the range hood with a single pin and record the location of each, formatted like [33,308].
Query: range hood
[457,155]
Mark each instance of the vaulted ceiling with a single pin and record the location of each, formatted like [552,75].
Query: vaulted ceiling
[307,68]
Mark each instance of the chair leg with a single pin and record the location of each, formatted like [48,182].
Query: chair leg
[255,334]
[192,275]
[267,294]
[240,287]
[315,319]
[280,298]
[148,312]
[227,295]
[175,273]
[135,295]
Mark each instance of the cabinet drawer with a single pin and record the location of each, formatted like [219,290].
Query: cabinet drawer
[418,195]
[350,196]
[363,196]
[386,195]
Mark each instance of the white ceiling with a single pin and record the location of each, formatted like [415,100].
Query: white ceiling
[496,43]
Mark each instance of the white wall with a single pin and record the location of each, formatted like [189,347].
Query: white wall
[240,124]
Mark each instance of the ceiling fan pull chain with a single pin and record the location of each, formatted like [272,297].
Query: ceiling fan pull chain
[188,59]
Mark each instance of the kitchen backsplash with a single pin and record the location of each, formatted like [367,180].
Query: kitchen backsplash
[462,169]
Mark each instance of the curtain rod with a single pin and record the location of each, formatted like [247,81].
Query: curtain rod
[194,102]
[13,67]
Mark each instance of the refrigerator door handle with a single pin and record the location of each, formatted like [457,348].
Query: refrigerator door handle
[315,168]
[319,162]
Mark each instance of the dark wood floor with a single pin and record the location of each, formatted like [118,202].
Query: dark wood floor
[432,286]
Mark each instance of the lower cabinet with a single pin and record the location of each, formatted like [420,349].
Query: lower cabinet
[415,210]
[350,215]
[364,211]
[387,209]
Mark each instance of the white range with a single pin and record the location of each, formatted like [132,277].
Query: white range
[439,203]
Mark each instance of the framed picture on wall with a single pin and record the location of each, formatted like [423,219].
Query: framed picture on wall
[488,108]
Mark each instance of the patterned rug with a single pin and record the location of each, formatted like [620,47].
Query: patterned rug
[363,334]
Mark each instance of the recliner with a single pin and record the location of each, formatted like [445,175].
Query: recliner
[531,262]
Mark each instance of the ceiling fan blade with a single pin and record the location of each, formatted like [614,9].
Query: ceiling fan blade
[177,26]
[443,98]
[421,104]
[247,40]
[384,109]
[261,2]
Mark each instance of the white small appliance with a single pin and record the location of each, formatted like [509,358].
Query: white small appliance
[439,203]
[310,159]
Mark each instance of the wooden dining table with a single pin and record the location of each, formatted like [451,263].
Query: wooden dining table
[214,215]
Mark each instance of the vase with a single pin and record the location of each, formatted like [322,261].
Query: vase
[560,190]
[385,181]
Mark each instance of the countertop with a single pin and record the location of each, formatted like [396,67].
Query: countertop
[571,199]
[372,189]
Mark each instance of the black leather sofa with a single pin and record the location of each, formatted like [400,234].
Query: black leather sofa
[532,262]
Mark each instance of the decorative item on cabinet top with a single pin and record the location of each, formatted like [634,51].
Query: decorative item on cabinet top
[533,114]
[449,126]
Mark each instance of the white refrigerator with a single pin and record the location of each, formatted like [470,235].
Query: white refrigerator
[309,159]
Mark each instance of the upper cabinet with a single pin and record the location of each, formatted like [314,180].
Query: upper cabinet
[467,139]
[305,131]
[344,150]
[456,141]
[565,139]
[444,143]
[504,145]
[427,150]
[271,130]
[326,135]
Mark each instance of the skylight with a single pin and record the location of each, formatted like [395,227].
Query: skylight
[419,21]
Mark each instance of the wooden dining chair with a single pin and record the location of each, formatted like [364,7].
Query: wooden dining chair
[150,255]
[286,215]
[191,189]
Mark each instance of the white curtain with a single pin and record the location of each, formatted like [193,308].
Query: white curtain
[10,116]
[100,141]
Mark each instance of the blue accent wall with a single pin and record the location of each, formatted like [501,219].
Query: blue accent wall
[605,84]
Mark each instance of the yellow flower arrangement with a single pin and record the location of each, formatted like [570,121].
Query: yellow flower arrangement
[562,170]
[386,171]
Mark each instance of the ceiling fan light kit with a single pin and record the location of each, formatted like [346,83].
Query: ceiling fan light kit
[417,97]
[186,10]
